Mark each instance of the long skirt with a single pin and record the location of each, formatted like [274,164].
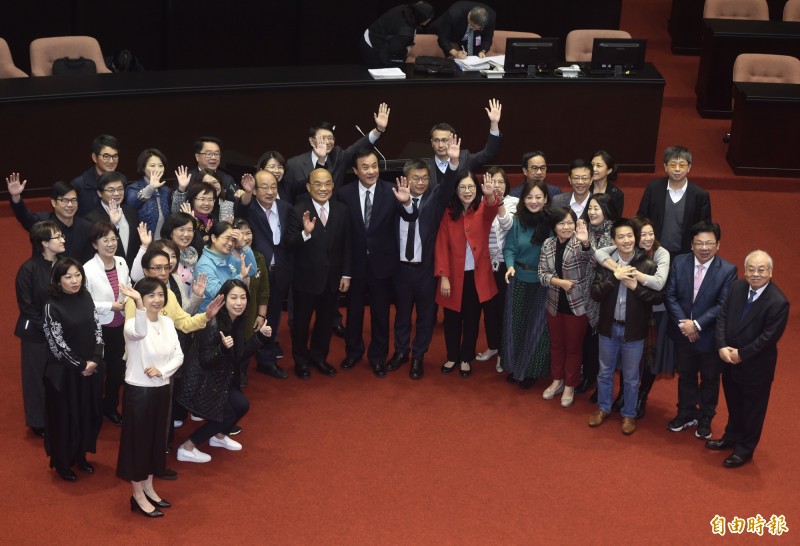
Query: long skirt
[526,341]
[143,443]
[661,359]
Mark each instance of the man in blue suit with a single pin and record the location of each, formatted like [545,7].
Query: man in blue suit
[696,289]
[374,206]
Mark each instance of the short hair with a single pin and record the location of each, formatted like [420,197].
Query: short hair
[609,161]
[202,173]
[60,269]
[528,155]
[41,232]
[621,223]
[606,204]
[148,285]
[413,164]
[557,214]
[200,187]
[101,229]
[325,125]
[175,221]
[479,15]
[442,127]
[141,161]
[104,141]
[61,188]
[640,222]
[198,144]
[758,251]
[491,171]
[677,152]
[216,230]
[266,156]
[152,253]
[580,164]
[365,151]
[422,11]
[239,223]
[161,244]
[706,226]
[108,177]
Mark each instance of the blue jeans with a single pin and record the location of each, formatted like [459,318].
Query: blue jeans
[629,354]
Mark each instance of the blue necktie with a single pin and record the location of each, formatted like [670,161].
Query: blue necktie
[749,302]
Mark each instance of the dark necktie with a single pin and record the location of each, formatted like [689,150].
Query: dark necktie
[320,165]
[749,302]
[367,209]
[412,233]
[470,40]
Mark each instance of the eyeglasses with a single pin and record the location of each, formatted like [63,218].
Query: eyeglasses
[580,178]
[204,199]
[704,244]
[760,270]
[440,140]
[537,168]
[676,165]
[109,157]
[58,237]
[267,188]
[420,178]
[326,138]
[159,268]
[466,188]
[67,201]
[114,190]
[322,184]
[210,154]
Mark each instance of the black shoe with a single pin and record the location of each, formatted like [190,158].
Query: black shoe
[114,417]
[619,401]
[397,360]
[325,368]
[445,370]
[338,330]
[278,351]
[681,422]
[84,466]
[584,385]
[510,378]
[719,444]
[465,373]
[527,383]
[272,370]
[735,461]
[302,372]
[641,406]
[235,429]
[348,363]
[38,431]
[168,474]
[593,397]
[379,370]
[417,369]
[156,513]
[67,475]
[158,504]
[703,430]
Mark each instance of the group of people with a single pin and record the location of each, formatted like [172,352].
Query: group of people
[568,289]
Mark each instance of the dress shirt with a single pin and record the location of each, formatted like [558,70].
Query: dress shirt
[469,260]
[758,292]
[318,208]
[274,225]
[578,207]
[676,195]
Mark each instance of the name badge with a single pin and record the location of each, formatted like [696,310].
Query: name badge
[477,41]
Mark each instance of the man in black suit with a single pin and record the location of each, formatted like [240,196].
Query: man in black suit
[749,326]
[687,204]
[374,207]
[105,158]
[208,154]
[318,234]
[442,135]
[111,190]
[414,282]
[697,285]
[534,167]
[326,155]
[466,28]
[268,218]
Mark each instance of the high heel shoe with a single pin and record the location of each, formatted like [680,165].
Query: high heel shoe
[445,369]
[163,503]
[156,513]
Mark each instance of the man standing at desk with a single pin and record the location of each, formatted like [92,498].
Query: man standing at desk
[466,28]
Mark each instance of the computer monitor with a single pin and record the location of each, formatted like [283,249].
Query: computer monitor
[617,55]
[532,55]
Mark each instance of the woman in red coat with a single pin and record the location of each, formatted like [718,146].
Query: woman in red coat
[464,269]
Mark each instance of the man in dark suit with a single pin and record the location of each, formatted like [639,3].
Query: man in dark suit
[687,203]
[466,28]
[534,167]
[414,282]
[324,154]
[749,326]
[580,180]
[208,154]
[374,207]
[697,285]
[111,189]
[268,217]
[318,234]
[105,158]
[442,135]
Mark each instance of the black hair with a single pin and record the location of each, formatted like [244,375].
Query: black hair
[198,144]
[60,189]
[706,226]
[150,254]
[104,141]
[491,171]
[266,156]
[175,221]
[609,161]
[60,269]
[148,285]
[41,232]
[539,222]
[141,161]
[455,206]
[108,177]
[607,205]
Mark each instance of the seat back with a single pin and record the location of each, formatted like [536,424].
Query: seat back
[791,10]
[425,45]
[7,67]
[578,48]
[46,50]
[762,68]
[756,10]
[499,40]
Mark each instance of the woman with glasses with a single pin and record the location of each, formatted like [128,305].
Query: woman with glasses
[104,275]
[150,194]
[275,163]
[201,201]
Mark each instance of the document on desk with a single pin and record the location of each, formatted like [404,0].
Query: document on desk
[473,63]
[387,74]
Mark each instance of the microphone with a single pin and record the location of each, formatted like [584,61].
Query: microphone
[385,162]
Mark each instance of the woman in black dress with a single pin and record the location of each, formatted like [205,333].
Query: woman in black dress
[71,380]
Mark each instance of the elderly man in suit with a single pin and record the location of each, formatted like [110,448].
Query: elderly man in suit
[466,28]
[319,236]
[325,154]
[374,207]
[749,326]
[697,285]
[674,204]
[580,180]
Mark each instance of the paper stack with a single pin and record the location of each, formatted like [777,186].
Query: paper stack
[387,74]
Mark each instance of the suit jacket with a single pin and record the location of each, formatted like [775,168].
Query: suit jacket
[375,251]
[99,214]
[85,186]
[617,197]
[705,307]
[451,26]
[100,289]
[697,208]
[563,200]
[263,237]
[467,160]
[76,236]
[338,161]
[756,334]
[327,256]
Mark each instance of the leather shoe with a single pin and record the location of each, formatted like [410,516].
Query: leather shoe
[158,504]
[115,418]
[379,370]
[67,475]
[719,444]
[338,330]
[584,385]
[168,474]
[325,368]
[84,466]
[597,417]
[417,369]
[445,369]
[735,461]
[272,370]
[38,431]
[628,426]
[156,513]
[348,362]
[302,372]
[397,360]
[465,373]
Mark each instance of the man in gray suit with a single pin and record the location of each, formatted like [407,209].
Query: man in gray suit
[580,180]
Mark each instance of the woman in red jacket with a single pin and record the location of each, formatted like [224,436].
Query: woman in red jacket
[464,269]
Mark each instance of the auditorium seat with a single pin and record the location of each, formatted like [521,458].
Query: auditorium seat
[791,11]
[425,45]
[46,50]
[7,67]
[756,10]
[500,37]
[579,43]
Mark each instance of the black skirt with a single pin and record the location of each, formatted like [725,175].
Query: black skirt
[143,443]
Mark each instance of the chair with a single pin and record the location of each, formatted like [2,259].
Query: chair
[7,67]
[46,50]
[425,45]
[579,43]
[499,40]
[756,10]
[791,10]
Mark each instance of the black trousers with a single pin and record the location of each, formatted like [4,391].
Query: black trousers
[277,294]
[747,408]
[461,327]
[114,350]
[697,399]
[493,310]
[591,355]
[379,291]
[414,287]
[323,307]
[236,407]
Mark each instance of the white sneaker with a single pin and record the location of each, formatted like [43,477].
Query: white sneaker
[177,423]
[226,442]
[196,418]
[486,355]
[498,366]
[556,387]
[193,456]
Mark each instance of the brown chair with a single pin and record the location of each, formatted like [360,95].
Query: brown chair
[46,50]
[7,67]
[499,40]
[756,10]
[579,43]
[791,11]
[425,45]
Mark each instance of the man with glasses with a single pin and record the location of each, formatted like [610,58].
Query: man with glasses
[674,204]
[208,154]
[105,156]
[326,154]
[466,28]
[580,180]
[534,167]
[111,189]
[697,286]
